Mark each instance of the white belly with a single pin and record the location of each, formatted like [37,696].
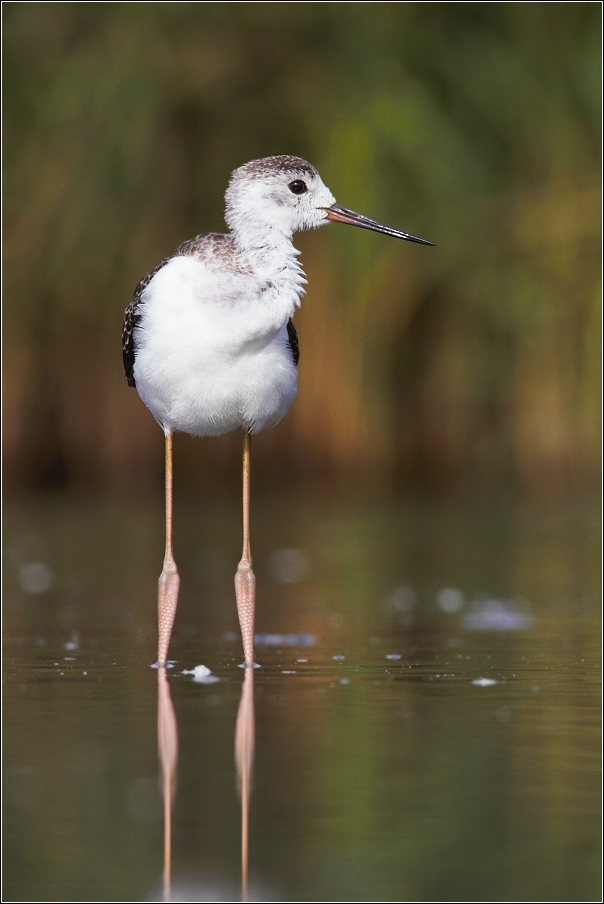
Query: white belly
[207,367]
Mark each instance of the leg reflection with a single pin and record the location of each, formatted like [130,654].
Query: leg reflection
[244,758]
[167,746]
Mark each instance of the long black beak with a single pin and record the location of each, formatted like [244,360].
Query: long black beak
[340,214]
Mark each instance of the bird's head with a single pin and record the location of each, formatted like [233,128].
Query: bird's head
[282,195]
[279,195]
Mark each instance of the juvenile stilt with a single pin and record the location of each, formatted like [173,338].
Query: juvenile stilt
[169,580]
[209,341]
[245,580]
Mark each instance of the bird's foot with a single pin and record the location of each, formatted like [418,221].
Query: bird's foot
[167,599]
[245,593]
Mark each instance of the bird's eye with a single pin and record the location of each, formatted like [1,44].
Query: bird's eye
[298,187]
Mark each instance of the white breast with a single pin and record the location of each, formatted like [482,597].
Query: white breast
[211,349]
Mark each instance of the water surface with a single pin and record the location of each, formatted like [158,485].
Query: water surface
[426,711]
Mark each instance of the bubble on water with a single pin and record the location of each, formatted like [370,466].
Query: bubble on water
[200,671]
[36,578]
[288,565]
[484,682]
[338,657]
[497,615]
[450,599]
[287,640]
[393,656]
[201,675]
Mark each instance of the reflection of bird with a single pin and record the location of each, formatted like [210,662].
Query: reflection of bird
[209,341]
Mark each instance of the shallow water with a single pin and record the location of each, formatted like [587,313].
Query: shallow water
[426,711]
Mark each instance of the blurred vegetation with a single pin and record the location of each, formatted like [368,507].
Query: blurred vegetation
[475,125]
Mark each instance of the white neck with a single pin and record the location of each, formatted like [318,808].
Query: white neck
[270,253]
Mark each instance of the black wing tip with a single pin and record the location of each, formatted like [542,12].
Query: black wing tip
[292,341]
[128,359]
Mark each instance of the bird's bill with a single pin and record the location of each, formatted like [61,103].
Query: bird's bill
[340,214]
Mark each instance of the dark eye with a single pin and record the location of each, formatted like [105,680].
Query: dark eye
[298,187]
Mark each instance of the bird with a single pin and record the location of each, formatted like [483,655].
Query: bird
[209,341]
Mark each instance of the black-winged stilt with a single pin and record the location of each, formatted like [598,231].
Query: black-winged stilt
[209,341]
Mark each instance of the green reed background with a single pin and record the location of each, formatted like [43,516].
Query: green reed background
[474,125]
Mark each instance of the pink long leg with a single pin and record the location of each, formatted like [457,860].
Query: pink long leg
[245,580]
[169,580]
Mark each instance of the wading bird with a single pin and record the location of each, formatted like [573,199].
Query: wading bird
[209,341]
